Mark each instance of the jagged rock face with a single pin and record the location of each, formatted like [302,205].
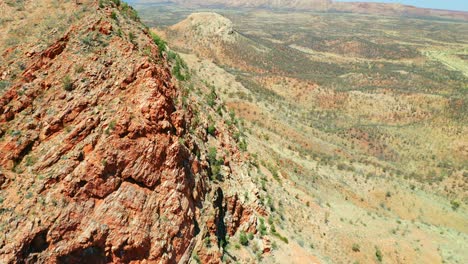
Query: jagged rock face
[97,164]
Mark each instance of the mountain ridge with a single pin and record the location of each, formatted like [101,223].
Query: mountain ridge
[390,9]
[105,156]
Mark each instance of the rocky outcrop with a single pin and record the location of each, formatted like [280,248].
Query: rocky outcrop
[206,25]
[98,163]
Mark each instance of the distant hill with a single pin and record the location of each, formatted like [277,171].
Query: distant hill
[322,5]
[289,4]
[396,9]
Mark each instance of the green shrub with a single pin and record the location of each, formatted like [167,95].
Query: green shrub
[114,15]
[131,37]
[274,246]
[207,242]
[180,69]
[378,254]
[243,239]
[212,152]
[171,55]
[4,85]
[29,161]
[211,100]
[455,205]
[215,164]
[211,130]
[130,12]
[276,234]
[263,229]
[110,127]
[356,248]
[67,83]
[272,229]
[79,69]
[282,238]
[196,258]
[243,145]
[162,45]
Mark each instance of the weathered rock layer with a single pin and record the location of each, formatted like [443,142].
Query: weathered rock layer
[97,162]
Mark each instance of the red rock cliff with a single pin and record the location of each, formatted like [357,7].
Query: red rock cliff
[97,162]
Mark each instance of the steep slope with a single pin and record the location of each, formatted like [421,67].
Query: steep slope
[104,156]
[355,168]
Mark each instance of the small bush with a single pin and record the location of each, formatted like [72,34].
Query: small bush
[243,145]
[110,127]
[130,12]
[211,130]
[211,100]
[455,205]
[114,15]
[282,238]
[131,37]
[356,248]
[180,68]
[212,152]
[243,239]
[274,246]
[196,258]
[67,83]
[171,55]
[207,242]
[215,164]
[29,161]
[79,69]
[263,229]
[278,235]
[378,254]
[4,85]
[162,45]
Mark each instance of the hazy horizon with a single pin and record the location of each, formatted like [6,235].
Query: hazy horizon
[457,5]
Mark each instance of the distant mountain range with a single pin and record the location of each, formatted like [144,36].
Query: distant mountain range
[322,5]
